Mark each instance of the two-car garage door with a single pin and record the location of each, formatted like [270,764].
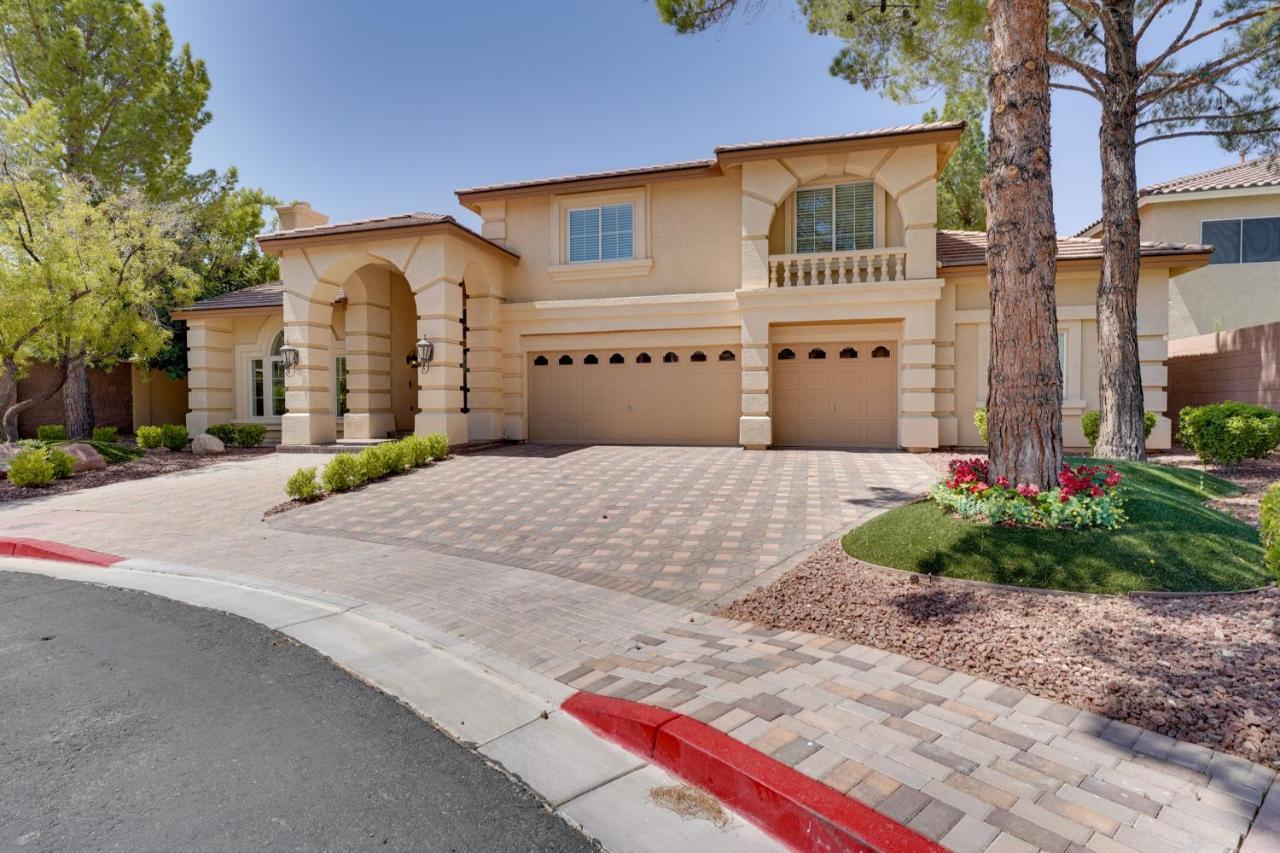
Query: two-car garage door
[682,395]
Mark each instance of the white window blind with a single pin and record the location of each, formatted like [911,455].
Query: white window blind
[836,219]
[601,233]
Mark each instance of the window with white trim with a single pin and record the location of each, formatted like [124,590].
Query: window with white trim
[601,233]
[266,382]
[1242,241]
[840,218]
[340,385]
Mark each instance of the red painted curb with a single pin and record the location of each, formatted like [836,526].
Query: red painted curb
[40,549]
[797,810]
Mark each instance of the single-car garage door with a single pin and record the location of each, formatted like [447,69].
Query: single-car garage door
[686,395]
[835,395]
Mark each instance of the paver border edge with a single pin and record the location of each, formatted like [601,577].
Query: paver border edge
[1264,834]
[43,549]
[793,808]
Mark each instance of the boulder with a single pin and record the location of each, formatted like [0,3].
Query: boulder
[87,459]
[207,445]
[8,450]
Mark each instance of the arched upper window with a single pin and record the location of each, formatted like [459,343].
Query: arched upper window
[786,354]
[591,359]
[848,352]
[817,353]
[699,355]
[566,359]
[617,358]
[880,352]
[670,358]
[643,358]
[727,355]
[540,361]
[276,343]
[266,381]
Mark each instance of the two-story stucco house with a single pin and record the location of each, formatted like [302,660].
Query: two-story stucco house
[779,293]
[1235,209]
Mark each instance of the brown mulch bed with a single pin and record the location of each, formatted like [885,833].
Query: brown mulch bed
[155,463]
[1204,669]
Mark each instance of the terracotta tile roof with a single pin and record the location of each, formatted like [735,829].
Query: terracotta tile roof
[378,223]
[268,295]
[1262,172]
[969,248]
[691,165]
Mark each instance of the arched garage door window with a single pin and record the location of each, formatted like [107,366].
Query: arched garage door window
[266,381]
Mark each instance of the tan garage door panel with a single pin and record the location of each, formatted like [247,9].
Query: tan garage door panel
[688,395]
[834,395]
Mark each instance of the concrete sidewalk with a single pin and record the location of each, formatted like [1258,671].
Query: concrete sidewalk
[973,764]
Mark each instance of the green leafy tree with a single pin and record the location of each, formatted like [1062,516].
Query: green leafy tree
[960,184]
[79,270]
[129,105]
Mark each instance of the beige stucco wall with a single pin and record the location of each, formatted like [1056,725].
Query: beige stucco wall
[1217,297]
[1077,319]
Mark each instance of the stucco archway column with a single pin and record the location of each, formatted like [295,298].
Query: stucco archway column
[210,374]
[439,304]
[308,315]
[514,425]
[484,367]
[918,424]
[755,426]
[368,353]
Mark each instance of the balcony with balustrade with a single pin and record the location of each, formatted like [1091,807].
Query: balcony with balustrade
[863,266]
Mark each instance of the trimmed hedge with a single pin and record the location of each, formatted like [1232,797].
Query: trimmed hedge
[346,471]
[1091,425]
[31,467]
[303,485]
[1226,433]
[225,433]
[64,464]
[106,434]
[343,472]
[51,432]
[1270,527]
[149,437]
[174,436]
[249,435]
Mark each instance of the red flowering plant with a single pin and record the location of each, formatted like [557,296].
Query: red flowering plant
[1087,496]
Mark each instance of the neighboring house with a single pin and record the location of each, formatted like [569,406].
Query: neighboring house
[1236,209]
[780,293]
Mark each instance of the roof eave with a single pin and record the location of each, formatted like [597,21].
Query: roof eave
[471,198]
[733,155]
[275,244]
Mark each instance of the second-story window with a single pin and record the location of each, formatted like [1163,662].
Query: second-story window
[836,219]
[1247,241]
[600,233]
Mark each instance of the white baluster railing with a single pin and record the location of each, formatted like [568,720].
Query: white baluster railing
[858,267]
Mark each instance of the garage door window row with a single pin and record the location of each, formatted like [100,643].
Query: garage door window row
[818,353]
[642,358]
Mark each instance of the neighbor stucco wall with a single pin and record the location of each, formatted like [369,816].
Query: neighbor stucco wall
[1217,297]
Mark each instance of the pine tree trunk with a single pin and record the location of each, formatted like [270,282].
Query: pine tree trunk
[77,404]
[1024,380]
[8,396]
[1119,371]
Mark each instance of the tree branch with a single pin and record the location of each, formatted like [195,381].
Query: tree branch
[1183,43]
[1067,87]
[1092,76]
[1217,69]
[1151,16]
[1087,27]
[1254,131]
[1207,117]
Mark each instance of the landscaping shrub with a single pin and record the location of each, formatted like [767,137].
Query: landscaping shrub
[1226,433]
[980,421]
[303,485]
[150,437]
[1087,496]
[31,467]
[249,435]
[380,460]
[1091,425]
[106,434]
[1270,527]
[225,433]
[345,471]
[51,432]
[64,464]
[418,449]
[174,436]
[438,444]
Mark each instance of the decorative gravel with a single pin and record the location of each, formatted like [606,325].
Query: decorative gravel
[1204,669]
[155,463]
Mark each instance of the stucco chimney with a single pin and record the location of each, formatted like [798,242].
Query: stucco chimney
[299,215]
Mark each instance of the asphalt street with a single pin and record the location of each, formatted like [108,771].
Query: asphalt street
[130,722]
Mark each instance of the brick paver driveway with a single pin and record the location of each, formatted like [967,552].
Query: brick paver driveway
[686,525]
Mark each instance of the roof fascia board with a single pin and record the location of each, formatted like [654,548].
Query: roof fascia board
[275,245]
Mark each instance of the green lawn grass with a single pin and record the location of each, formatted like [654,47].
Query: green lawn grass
[1172,542]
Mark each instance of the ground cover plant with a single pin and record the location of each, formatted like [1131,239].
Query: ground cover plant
[1087,496]
[1170,542]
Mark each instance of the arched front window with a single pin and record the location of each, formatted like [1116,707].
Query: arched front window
[266,381]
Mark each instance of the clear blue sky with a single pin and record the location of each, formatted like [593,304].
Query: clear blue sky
[383,107]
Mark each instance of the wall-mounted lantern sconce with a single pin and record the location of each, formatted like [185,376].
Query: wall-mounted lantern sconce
[289,355]
[421,355]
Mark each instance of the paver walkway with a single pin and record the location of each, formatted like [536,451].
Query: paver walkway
[678,524]
[963,760]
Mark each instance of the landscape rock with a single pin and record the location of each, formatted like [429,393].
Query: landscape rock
[87,459]
[207,445]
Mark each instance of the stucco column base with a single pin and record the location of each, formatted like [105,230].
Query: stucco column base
[368,424]
[755,432]
[306,428]
[197,422]
[452,424]
[1161,437]
[918,433]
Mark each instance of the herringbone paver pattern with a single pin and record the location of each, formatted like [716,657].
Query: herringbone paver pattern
[976,765]
[677,524]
